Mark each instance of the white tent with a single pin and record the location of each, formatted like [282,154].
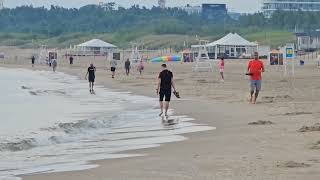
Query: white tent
[232,40]
[96,43]
[233,46]
[94,47]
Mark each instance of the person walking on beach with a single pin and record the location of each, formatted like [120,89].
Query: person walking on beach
[33,59]
[141,67]
[221,68]
[113,64]
[71,60]
[51,58]
[164,87]
[54,65]
[92,75]
[127,66]
[255,69]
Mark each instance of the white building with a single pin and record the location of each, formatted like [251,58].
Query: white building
[270,6]
[308,41]
[231,46]
[94,47]
[162,3]
[192,9]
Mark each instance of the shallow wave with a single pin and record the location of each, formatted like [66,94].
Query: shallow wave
[21,145]
[78,127]
[117,127]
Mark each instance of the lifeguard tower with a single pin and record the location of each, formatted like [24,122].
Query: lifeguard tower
[52,55]
[42,54]
[203,63]
[135,54]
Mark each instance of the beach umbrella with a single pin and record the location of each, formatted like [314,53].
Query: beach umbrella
[167,59]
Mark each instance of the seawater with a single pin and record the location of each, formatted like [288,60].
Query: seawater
[49,122]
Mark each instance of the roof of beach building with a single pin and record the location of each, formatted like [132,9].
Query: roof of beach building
[97,43]
[232,39]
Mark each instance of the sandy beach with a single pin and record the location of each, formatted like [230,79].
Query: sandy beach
[276,139]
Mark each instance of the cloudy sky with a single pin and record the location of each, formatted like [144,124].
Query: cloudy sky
[233,5]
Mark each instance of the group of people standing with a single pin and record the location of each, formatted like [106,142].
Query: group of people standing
[164,88]
[254,70]
[127,66]
[53,63]
[113,67]
[166,83]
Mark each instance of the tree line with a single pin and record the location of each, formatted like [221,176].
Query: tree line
[55,21]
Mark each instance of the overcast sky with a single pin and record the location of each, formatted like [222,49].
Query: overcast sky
[247,6]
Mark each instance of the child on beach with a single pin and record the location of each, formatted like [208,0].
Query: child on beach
[113,64]
[141,67]
[221,68]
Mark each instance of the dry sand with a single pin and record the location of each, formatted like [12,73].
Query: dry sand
[236,150]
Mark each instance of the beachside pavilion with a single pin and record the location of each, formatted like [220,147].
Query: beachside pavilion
[94,47]
[231,46]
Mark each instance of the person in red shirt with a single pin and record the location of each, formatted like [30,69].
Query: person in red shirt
[255,69]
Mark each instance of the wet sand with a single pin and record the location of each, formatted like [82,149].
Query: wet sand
[259,141]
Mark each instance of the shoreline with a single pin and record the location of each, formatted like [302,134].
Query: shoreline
[234,150]
[130,153]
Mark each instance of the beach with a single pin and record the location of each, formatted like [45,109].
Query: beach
[265,141]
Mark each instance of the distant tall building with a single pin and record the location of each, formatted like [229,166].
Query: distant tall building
[211,12]
[234,15]
[1,4]
[270,6]
[192,9]
[162,3]
[214,11]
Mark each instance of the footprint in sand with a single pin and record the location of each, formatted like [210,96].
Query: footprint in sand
[268,99]
[284,81]
[33,93]
[313,128]
[292,164]
[271,99]
[316,146]
[285,97]
[25,87]
[261,123]
[314,161]
[297,113]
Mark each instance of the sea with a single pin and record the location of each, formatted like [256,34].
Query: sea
[49,122]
